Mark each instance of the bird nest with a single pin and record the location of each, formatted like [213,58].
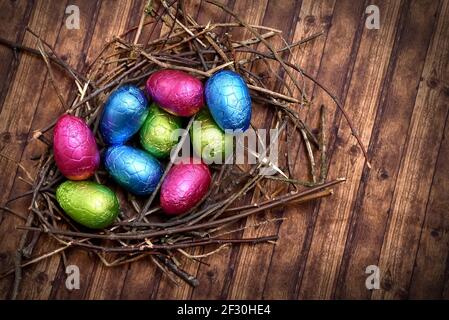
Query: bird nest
[237,191]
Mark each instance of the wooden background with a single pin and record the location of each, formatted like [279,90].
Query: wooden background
[394,83]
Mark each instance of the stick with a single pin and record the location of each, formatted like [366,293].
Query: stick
[167,169]
[182,229]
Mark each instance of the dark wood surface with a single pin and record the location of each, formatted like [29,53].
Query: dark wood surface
[394,83]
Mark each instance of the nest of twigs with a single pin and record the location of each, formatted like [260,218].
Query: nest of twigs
[238,191]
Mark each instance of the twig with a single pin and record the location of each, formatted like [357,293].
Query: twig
[167,169]
[191,280]
[37,259]
[294,181]
[18,260]
[274,94]
[323,142]
[333,97]
[141,23]
[20,166]
[310,155]
[199,256]
[51,75]
[13,212]
[183,229]
[255,33]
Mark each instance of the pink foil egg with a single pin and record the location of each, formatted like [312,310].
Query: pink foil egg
[176,92]
[76,152]
[184,186]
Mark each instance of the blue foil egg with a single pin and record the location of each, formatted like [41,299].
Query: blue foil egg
[134,169]
[123,115]
[228,99]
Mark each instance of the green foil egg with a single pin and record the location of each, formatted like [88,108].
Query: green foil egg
[156,134]
[90,204]
[208,140]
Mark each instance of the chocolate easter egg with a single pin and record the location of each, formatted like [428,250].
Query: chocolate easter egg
[184,186]
[75,150]
[208,140]
[176,92]
[228,99]
[135,170]
[90,204]
[124,113]
[157,133]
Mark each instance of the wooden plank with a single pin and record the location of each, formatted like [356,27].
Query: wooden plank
[339,67]
[91,269]
[445,294]
[94,279]
[143,279]
[375,193]
[142,276]
[207,12]
[370,74]
[430,270]
[71,45]
[223,266]
[251,262]
[14,16]
[15,125]
[141,282]
[288,254]
[414,180]
[69,49]
[372,205]
[430,273]
[166,289]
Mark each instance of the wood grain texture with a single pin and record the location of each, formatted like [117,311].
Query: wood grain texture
[394,84]
[166,289]
[329,230]
[414,180]
[13,30]
[25,92]
[253,262]
[289,256]
[374,56]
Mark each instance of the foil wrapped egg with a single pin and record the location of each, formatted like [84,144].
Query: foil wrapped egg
[186,183]
[135,170]
[90,204]
[209,142]
[228,99]
[176,92]
[75,150]
[124,113]
[156,134]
